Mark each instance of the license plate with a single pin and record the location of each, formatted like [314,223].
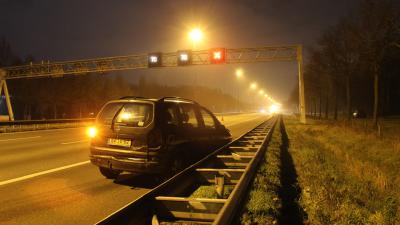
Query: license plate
[119,142]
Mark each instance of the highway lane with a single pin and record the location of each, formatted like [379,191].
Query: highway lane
[29,152]
[26,153]
[76,195]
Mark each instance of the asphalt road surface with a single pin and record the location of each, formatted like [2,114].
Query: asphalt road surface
[46,178]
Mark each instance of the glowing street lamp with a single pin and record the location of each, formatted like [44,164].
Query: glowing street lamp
[195,35]
[253,86]
[261,92]
[239,73]
[126,116]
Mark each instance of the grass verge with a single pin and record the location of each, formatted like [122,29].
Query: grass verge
[347,176]
[273,195]
[209,191]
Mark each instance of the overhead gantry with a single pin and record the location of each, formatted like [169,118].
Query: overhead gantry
[161,60]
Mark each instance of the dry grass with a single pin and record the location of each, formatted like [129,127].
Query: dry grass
[264,204]
[347,176]
[209,191]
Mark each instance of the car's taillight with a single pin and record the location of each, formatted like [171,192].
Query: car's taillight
[154,139]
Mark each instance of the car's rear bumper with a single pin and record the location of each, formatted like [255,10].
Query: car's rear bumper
[136,165]
[136,162]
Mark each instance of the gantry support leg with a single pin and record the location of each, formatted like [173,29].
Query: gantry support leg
[3,86]
[302,103]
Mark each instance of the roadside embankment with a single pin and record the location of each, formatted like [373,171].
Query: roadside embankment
[346,176]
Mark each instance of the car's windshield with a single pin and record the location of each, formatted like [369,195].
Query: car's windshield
[129,114]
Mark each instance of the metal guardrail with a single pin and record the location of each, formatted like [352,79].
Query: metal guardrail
[30,122]
[29,125]
[52,121]
[25,125]
[234,164]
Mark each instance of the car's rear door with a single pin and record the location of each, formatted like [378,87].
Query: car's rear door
[212,138]
[190,130]
[171,126]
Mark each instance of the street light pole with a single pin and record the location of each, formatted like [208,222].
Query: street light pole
[195,35]
[301,84]
[237,99]
[239,74]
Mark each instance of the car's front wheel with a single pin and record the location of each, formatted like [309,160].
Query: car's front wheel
[109,173]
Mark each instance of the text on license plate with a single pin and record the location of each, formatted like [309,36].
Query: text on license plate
[119,142]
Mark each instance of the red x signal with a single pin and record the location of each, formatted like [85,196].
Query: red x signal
[217,55]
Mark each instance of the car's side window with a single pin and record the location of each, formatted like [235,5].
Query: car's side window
[171,117]
[208,119]
[188,115]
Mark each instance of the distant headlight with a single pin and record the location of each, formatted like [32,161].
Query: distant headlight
[275,108]
[92,132]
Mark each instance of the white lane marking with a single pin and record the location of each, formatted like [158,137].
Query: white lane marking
[74,142]
[42,173]
[15,139]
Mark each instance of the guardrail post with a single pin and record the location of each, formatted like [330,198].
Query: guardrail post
[154,220]
[219,185]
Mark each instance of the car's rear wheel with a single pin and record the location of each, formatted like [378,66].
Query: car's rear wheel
[109,173]
[175,166]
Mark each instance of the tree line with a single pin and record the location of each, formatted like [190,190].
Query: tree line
[356,65]
[82,96]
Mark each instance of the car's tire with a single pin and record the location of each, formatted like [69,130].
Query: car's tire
[109,173]
[175,166]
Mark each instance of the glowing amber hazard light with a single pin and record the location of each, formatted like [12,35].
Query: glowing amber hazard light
[92,132]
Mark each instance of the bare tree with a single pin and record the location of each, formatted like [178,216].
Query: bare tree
[377,28]
[359,45]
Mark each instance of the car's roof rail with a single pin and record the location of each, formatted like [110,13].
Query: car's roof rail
[176,98]
[133,97]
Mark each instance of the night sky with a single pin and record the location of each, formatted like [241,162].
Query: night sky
[67,30]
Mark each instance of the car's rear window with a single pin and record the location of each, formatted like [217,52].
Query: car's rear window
[127,114]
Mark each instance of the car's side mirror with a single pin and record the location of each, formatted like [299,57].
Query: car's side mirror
[220,127]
